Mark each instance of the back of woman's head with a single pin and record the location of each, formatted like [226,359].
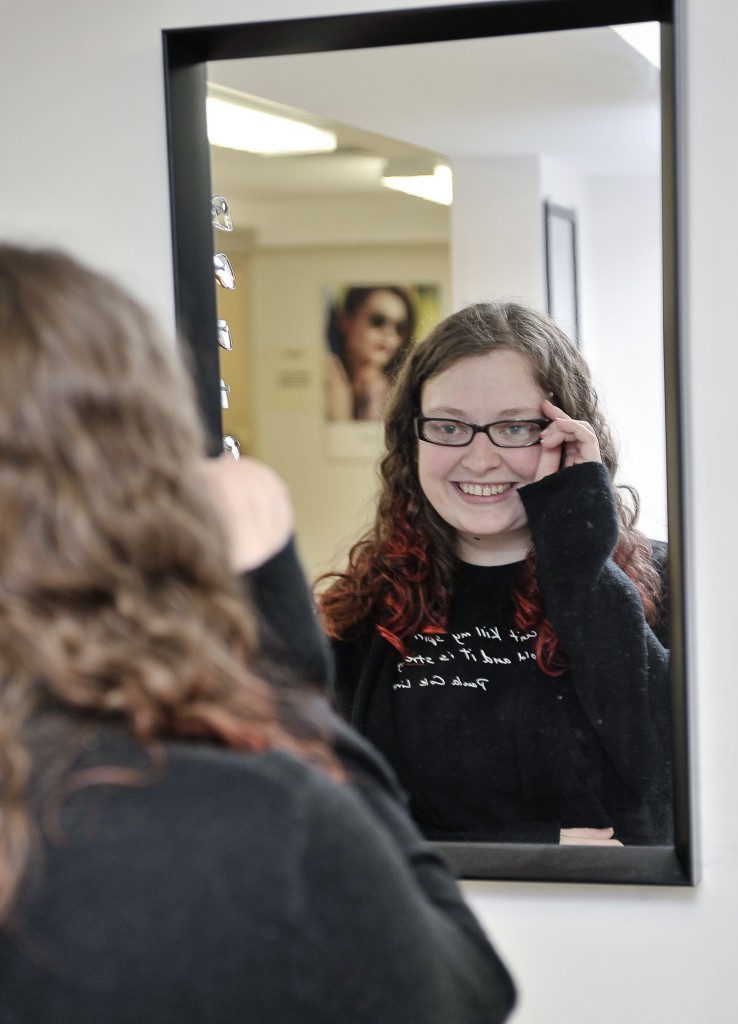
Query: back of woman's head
[116,596]
[96,409]
[115,586]
[117,600]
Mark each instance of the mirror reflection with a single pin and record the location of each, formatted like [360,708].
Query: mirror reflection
[495,633]
[568,119]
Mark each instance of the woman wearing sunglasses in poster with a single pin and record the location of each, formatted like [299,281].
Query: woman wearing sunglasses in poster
[368,335]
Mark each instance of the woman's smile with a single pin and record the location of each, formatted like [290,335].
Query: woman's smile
[483,490]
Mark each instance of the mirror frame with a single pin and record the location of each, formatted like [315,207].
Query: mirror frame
[186,52]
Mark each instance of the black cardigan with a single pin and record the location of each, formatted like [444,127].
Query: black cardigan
[294,648]
[215,888]
[616,684]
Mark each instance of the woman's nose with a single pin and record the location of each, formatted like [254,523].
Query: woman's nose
[481,454]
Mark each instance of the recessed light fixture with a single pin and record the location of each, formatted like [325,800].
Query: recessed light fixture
[235,121]
[643,36]
[432,183]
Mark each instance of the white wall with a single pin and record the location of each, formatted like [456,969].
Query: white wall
[496,231]
[625,318]
[497,251]
[85,167]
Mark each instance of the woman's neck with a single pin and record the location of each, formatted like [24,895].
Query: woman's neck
[495,549]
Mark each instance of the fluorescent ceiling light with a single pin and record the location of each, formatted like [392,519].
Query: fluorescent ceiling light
[235,124]
[645,37]
[436,187]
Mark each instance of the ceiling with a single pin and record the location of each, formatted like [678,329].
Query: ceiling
[584,97]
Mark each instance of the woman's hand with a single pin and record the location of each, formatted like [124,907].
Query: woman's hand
[588,837]
[574,438]
[254,506]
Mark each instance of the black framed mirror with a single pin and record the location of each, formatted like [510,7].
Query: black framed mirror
[186,55]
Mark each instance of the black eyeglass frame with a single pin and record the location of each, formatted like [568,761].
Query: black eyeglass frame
[420,421]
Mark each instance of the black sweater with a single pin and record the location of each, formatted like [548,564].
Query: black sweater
[229,888]
[604,723]
[295,650]
[207,886]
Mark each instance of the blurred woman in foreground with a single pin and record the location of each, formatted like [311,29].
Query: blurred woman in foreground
[185,832]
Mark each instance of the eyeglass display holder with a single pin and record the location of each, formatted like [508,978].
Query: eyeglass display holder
[226,278]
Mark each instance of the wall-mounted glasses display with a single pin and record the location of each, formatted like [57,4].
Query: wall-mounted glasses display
[226,278]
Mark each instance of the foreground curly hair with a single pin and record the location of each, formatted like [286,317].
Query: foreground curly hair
[116,596]
[400,574]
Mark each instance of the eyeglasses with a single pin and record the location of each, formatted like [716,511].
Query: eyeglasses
[231,446]
[502,433]
[379,320]
[224,335]
[224,271]
[220,214]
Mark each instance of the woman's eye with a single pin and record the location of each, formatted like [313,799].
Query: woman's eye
[518,430]
[445,431]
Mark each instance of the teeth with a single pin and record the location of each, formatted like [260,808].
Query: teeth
[484,490]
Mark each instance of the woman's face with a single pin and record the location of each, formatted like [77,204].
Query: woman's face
[376,330]
[475,488]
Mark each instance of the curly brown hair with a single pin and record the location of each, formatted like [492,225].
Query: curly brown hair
[116,595]
[399,576]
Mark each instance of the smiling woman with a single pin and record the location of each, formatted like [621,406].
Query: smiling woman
[566,99]
[497,632]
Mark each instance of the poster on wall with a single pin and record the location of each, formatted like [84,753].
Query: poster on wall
[369,328]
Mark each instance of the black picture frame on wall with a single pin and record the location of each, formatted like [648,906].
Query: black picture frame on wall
[562,267]
[186,52]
